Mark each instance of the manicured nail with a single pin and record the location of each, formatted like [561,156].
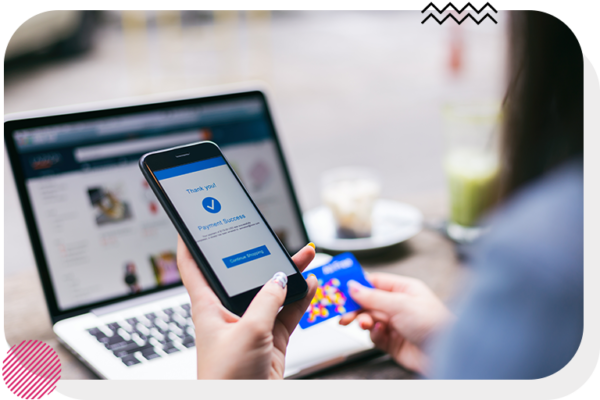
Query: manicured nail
[311,244]
[354,286]
[377,327]
[281,279]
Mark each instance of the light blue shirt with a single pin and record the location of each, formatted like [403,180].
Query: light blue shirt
[522,317]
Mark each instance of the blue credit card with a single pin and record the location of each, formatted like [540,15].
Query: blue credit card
[332,297]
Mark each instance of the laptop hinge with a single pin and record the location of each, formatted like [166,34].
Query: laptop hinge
[138,301]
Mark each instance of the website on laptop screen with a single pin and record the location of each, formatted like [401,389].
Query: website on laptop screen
[103,232]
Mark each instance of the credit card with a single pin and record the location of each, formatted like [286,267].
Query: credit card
[332,297]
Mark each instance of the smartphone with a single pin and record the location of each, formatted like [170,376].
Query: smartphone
[232,243]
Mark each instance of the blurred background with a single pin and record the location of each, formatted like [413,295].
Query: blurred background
[347,88]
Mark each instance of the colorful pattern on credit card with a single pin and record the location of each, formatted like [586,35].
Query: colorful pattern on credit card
[332,297]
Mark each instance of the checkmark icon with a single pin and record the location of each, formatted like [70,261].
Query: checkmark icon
[211,205]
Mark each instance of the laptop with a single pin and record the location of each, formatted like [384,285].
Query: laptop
[106,251]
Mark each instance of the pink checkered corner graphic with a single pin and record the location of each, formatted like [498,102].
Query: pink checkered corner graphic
[31,369]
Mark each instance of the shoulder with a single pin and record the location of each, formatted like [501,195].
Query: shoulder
[539,231]
[527,288]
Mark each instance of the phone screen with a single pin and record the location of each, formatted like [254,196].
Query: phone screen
[231,234]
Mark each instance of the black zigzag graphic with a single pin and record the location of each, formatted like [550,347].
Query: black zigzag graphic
[459,21]
[459,12]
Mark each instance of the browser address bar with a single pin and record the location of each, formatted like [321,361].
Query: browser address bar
[98,152]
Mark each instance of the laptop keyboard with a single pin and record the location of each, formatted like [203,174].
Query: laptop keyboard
[148,337]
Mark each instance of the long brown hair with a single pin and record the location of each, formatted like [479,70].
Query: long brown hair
[543,108]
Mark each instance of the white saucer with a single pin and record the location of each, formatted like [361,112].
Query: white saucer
[393,223]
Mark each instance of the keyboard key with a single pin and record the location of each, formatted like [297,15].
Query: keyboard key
[106,330]
[130,360]
[124,334]
[103,339]
[149,354]
[173,337]
[170,348]
[142,329]
[126,326]
[157,335]
[150,336]
[114,326]
[94,331]
[130,349]
[145,321]
[189,344]
[138,339]
[179,320]
[151,316]
[161,325]
[175,329]
[180,311]
[115,339]
[116,343]
[99,335]
[116,346]
[161,316]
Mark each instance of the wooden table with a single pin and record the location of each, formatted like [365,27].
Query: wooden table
[428,256]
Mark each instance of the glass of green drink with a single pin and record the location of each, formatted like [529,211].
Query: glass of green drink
[471,164]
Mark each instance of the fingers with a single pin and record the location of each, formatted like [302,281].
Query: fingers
[346,319]
[189,271]
[267,302]
[202,296]
[375,299]
[391,282]
[380,336]
[365,321]
[303,257]
[264,307]
[292,313]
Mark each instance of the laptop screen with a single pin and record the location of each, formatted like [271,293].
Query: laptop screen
[102,231]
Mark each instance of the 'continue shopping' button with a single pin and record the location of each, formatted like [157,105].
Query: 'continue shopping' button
[246,256]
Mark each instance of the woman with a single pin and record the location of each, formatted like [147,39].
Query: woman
[522,315]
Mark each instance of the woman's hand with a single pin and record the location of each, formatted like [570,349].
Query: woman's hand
[401,313]
[250,347]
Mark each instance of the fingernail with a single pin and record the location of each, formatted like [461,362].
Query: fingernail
[377,327]
[311,244]
[354,286]
[280,278]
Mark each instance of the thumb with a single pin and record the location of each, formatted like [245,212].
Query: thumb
[264,307]
[375,299]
